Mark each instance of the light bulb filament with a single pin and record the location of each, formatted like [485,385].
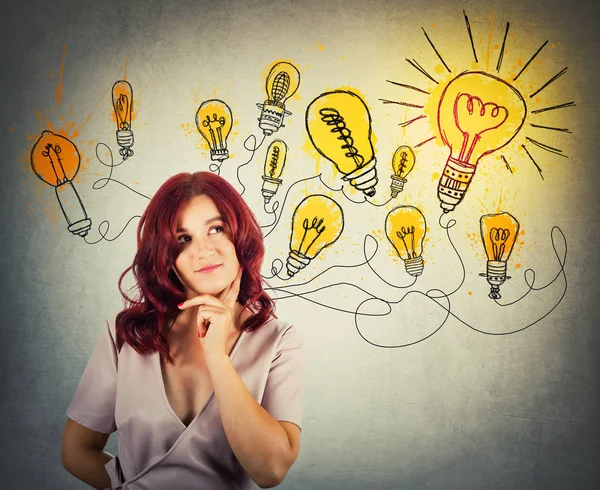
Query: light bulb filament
[498,237]
[53,152]
[332,117]
[402,163]
[410,250]
[274,161]
[318,230]
[474,117]
[281,85]
[215,125]
[122,107]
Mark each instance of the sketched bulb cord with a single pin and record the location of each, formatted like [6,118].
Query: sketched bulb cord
[332,117]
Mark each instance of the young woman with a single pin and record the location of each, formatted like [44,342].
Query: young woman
[200,379]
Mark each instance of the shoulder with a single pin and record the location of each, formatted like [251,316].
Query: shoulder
[275,331]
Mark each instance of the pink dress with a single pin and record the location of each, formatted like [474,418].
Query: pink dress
[124,391]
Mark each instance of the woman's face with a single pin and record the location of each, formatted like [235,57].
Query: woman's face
[207,262]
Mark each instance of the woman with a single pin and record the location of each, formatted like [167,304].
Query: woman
[200,379]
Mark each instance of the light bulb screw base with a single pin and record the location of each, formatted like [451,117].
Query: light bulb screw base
[269,187]
[414,266]
[496,276]
[364,178]
[220,155]
[454,182]
[125,141]
[397,185]
[72,208]
[296,261]
[271,117]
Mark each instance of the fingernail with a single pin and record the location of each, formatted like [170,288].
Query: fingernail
[179,305]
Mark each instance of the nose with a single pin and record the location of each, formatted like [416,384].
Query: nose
[203,247]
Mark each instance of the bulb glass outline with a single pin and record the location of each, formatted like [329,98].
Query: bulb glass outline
[214,121]
[405,228]
[478,114]
[317,223]
[339,127]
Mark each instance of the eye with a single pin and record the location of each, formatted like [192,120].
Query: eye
[183,239]
[216,229]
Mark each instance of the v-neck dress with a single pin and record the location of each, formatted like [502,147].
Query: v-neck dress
[125,391]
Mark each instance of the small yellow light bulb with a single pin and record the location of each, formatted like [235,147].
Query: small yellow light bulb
[317,222]
[122,99]
[214,121]
[499,233]
[405,228]
[403,162]
[274,163]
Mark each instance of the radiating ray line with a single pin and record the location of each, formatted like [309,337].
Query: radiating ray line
[501,56]
[470,36]
[551,149]
[436,51]
[416,65]
[506,163]
[426,141]
[406,123]
[409,86]
[559,74]
[564,130]
[530,60]
[534,162]
[560,106]
[407,104]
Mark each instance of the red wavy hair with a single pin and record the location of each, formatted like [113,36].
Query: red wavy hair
[152,306]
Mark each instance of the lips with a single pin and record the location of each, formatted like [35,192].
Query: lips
[208,269]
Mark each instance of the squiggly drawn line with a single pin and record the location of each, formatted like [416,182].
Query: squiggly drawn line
[397,346]
[215,168]
[101,183]
[104,233]
[252,149]
[284,200]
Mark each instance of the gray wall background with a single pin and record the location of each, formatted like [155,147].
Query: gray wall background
[461,410]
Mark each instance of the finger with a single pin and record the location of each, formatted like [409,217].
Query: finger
[201,299]
[234,290]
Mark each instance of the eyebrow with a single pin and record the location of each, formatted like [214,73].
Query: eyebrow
[207,222]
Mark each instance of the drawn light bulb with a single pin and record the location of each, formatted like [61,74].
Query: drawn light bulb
[339,126]
[214,121]
[405,228]
[499,233]
[274,163]
[403,162]
[478,113]
[122,99]
[317,222]
[282,82]
[55,160]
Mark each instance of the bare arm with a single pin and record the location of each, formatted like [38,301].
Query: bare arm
[265,447]
[83,454]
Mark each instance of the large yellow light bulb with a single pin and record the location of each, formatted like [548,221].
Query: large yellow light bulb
[214,121]
[274,163]
[403,162]
[317,222]
[55,160]
[122,99]
[499,233]
[405,228]
[339,126]
[478,113]
[281,83]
